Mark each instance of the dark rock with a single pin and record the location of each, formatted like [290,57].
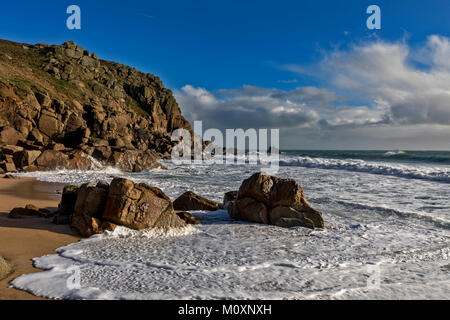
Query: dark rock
[191,201]
[88,226]
[43,99]
[10,150]
[51,160]
[258,187]
[103,184]
[23,212]
[229,196]
[249,209]
[187,217]
[66,207]
[25,158]
[7,166]
[90,201]
[9,176]
[289,217]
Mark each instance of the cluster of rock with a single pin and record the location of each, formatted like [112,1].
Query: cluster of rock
[61,106]
[191,201]
[93,209]
[270,200]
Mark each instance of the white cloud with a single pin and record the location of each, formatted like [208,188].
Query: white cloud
[246,107]
[374,95]
[388,72]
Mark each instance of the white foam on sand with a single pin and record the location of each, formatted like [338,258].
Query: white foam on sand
[223,259]
[392,221]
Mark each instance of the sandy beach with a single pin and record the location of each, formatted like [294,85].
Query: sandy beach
[23,239]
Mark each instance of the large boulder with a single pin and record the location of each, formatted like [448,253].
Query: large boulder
[139,206]
[135,160]
[9,136]
[66,206]
[249,209]
[10,149]
[88,226]
[187,217]
[7,166]
[228,197]
[258,187]
[191,201]
[51,160]
[79,160]
[49,124]
[288,216]
[266,199]
[90,201]
[88,209]
[24,212]
[25,158]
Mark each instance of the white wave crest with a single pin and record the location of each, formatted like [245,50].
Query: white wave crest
[398,170]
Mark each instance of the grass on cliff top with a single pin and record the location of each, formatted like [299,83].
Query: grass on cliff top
[30,62]
[26,74]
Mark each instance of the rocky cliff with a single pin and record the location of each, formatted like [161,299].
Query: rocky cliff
[61,106]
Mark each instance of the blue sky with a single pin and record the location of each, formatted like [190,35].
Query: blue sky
[218,46]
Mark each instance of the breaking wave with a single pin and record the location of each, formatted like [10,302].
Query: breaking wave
[388,169]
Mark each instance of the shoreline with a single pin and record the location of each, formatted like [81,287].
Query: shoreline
[27,238]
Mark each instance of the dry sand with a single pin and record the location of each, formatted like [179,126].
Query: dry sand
[27,238]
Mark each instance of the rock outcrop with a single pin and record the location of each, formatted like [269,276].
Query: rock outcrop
[29,211]
[88,210]
[66,206]
[229,197]
[191,201]
[187,217]
[139,206]
[62,107]
[93,209]
[270,200]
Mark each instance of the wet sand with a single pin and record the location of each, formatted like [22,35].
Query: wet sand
[24,239]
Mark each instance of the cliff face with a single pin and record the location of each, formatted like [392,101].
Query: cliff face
[67,106]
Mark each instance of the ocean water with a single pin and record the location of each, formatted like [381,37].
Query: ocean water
[387,236]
